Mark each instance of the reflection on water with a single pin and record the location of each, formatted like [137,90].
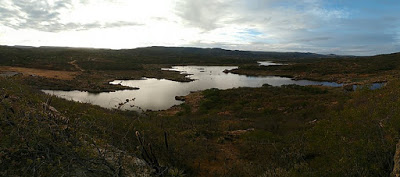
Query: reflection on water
[159,94]
[373,86]
[269,63]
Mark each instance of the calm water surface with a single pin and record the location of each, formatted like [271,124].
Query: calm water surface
[373,86]
[269,63]
[159,94]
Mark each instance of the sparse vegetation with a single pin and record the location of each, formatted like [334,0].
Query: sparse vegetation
[344,70]
[268,131]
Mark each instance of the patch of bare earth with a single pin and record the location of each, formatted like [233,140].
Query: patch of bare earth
[62,75]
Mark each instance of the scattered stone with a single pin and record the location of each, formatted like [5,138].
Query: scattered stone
[313,121]
[10,74]
[225,113]
[54,112]
[239,132]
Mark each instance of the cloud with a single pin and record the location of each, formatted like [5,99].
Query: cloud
[46,16]
[274,20]
[41,15]
[204,14]
[212,14]
[285,25]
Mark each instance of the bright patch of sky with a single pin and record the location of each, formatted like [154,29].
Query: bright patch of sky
[356,27]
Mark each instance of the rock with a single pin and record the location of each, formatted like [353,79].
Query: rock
[396,159]
[239,132]
[180,98]
[10,74]
[54,112]
[225,113]
[313,121]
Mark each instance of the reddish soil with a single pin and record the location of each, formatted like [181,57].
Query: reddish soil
[62,75]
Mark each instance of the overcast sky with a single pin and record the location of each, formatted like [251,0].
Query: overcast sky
[356,27]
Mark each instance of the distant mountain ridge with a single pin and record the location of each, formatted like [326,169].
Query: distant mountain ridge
[192,51]
[232,53]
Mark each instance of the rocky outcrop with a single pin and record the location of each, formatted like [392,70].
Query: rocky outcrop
[396,159]
[9,74]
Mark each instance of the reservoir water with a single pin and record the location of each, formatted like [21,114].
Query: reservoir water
[159,94]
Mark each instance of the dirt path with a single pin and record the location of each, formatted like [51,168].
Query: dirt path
[62,75]
[73,63]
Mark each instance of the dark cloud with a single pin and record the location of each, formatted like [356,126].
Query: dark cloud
[34,15]
[6,13]
[45,16]
[313,39]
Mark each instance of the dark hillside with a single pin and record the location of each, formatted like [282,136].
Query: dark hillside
[58,57]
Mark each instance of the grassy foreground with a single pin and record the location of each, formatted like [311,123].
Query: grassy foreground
[268,131]
[47,136]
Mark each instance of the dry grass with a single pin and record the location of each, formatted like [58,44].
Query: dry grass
[193,100]
[53,74]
